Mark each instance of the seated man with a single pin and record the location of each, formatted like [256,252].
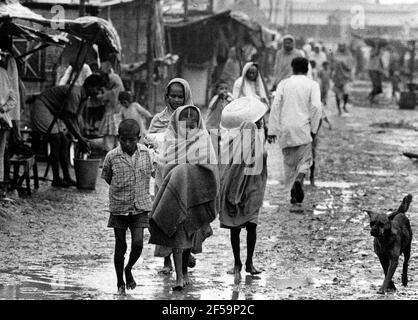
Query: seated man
[67,108]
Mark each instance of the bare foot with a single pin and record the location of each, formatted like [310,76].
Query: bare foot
[179,284]
[235,270]
[121,290]
[130,281]
[251,269]
[187,281]
[192,262]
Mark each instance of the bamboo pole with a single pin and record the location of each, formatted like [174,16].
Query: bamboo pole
[150,56]
[82,8]
[186,9]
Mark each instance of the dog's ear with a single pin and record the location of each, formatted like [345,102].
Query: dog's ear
[370,213]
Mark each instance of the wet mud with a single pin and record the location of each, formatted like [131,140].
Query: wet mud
[56,244]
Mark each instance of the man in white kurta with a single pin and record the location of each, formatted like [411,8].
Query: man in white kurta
[294,119]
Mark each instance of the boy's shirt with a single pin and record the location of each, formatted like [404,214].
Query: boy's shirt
[129,179]
[296,111]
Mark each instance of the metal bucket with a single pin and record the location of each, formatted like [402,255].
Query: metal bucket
[86,171]
[407,100]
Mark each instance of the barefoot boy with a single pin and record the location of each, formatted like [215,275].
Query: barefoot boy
[127,169]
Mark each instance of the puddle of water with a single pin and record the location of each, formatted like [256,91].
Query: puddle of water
[378,173]
[327,206]
[266,204]
[400,138]
[346,198]
[333,184]
[273,182]
[318,282]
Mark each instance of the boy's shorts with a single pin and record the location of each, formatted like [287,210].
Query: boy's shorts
[131,221]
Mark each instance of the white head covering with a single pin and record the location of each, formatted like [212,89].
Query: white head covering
[244,109]
[177,147]
[247,89]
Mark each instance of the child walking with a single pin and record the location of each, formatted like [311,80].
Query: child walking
[177,94]
[127,169]
[213,116]
[324,76]
[177,217]
[243,182]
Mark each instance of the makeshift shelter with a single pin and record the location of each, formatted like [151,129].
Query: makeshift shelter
[91,29]
[203,40]
[86,31]
[17,19]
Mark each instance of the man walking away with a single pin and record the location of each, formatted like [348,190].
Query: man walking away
[294,118]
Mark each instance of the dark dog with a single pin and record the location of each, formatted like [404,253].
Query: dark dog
[392,236]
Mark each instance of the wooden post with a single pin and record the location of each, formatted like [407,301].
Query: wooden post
[82,8]
[150,56]
[412,61]
[186,9]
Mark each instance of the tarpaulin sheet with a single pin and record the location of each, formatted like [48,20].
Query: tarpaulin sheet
[90,28]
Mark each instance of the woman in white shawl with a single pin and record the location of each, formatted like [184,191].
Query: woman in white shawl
[250,84]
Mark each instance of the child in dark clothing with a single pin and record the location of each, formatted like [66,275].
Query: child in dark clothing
[324,76]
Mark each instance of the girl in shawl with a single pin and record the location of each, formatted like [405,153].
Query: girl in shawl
[243,173]
[186,201]
[250,84]
[213,115]
[177,93]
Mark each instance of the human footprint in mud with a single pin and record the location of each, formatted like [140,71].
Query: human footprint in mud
[128,169]
[187,200]
[243,182]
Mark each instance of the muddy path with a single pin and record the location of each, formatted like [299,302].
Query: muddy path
[55,244]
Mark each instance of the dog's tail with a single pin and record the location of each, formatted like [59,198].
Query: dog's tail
[403,207]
